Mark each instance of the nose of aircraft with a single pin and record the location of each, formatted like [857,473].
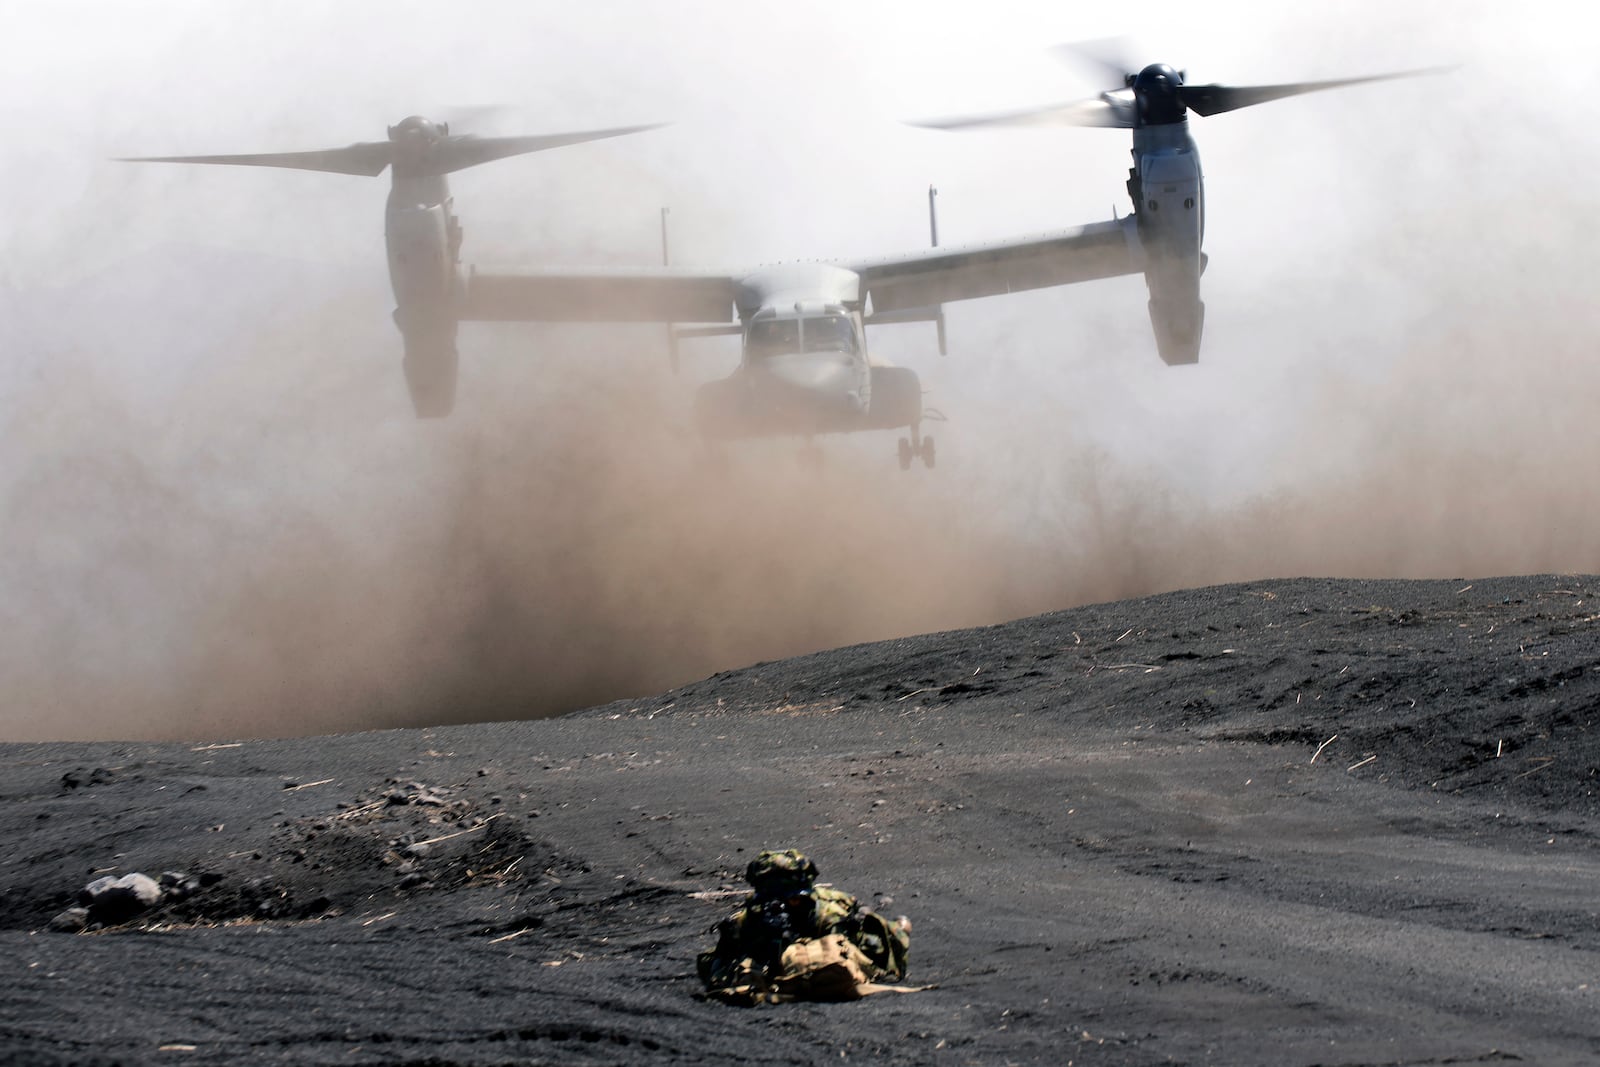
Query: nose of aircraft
[829,373]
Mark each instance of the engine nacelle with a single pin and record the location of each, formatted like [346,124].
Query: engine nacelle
[424,271]
[1178,326]
[1169,195]
[423,244]
[431,368]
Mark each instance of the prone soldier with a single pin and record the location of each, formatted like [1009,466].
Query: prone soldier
[794,938]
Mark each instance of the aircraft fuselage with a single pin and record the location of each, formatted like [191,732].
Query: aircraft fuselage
[804,367]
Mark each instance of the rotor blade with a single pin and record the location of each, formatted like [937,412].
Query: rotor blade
[1216,99]
[1110,110]
[367,158]
[458,153]
[1105,56]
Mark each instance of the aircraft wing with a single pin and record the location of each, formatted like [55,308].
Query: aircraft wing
[664,294]
[1099,250]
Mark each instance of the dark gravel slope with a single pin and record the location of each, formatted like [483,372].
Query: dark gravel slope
[1295,822]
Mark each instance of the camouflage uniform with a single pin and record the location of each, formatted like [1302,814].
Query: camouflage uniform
[788,906]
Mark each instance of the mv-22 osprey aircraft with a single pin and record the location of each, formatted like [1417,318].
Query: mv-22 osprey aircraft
[804,368]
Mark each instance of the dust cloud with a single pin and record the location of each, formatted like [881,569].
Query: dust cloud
[215,531]
[259,565]
[271,562]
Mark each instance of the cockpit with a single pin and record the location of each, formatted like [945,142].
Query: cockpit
[832,331]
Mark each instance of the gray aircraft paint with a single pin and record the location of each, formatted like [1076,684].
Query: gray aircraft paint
[1165,182]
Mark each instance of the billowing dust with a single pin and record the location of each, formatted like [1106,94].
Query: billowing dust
[284,550]
[263,541]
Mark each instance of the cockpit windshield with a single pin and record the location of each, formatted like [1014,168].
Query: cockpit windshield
[772,337]
[814,333]
[829,333]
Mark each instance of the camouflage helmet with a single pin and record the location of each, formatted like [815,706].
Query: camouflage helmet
[781,873]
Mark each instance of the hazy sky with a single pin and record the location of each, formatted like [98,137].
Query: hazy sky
[786,145]
[786,142]
[1398,364]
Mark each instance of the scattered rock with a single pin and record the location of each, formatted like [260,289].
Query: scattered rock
[411,792]
[79,776]
[264,898]
[180,885]
[110,901]
[71,921]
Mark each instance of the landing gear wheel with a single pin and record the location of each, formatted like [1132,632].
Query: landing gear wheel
[905,454]
[927,453]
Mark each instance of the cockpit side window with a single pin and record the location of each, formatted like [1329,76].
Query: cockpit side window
[770,337]
[830,333]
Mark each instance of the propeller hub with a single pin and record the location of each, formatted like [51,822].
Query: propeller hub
[414,130]
[1156,89]
[415,140]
